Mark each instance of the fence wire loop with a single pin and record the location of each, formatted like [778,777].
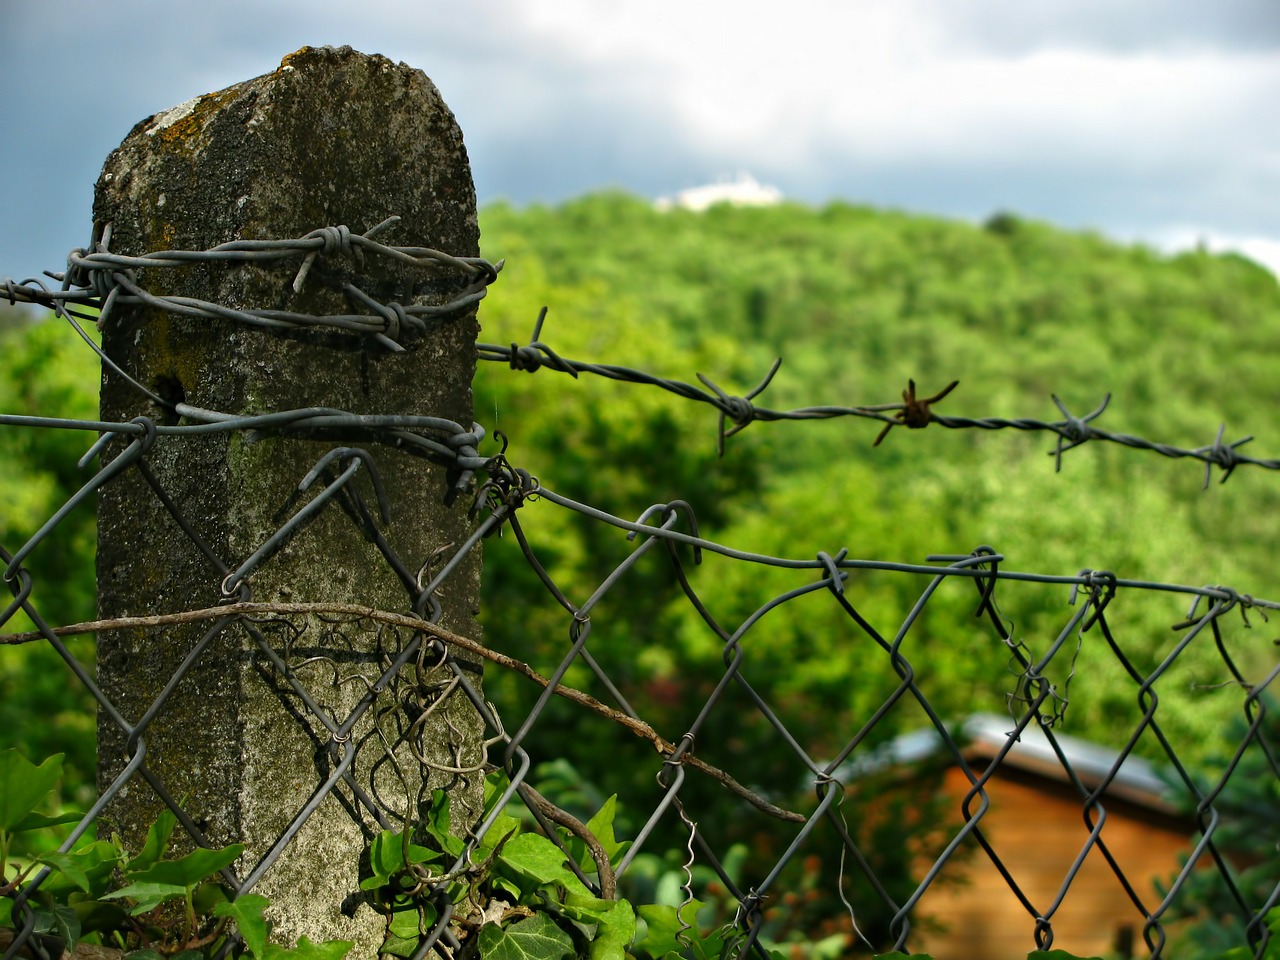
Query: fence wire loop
[833,575]
[1101,585]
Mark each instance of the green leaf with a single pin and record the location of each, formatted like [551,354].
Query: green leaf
[439,826]
[665,930]
[532,861]
[70,866]
[616,932]
[534,938]
[189,870]
[23,785]
[148,895]
[98,916]
[508,888]
[248,913]
[601,825]
[62,922]
[387,858]
[501,832]
[157,844]
[306,950]
[407,926]
[207,897]
[38,821]
[88,867]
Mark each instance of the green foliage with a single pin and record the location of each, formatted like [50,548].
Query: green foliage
[534,907]
[149,905]
[1273,945]
[48,372]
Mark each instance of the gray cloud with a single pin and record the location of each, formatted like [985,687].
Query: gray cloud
[1016,26]
[544,120]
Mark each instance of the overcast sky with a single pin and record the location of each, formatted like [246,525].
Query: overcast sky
[1146,119]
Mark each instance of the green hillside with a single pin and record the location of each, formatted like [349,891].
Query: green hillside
[857,301]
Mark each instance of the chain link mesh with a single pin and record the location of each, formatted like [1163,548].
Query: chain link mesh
[425,669]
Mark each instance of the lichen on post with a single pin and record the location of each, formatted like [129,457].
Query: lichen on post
[332,137]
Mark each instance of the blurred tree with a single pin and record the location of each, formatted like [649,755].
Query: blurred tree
[47,371]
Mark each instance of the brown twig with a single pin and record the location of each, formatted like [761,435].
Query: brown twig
[638,727]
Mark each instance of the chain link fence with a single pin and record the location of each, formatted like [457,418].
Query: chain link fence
[426,669]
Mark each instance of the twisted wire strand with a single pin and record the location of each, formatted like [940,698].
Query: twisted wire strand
[740,411]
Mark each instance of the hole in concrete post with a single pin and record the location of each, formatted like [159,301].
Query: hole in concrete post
[169,389]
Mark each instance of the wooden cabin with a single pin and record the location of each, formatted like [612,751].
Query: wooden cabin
[1036,826]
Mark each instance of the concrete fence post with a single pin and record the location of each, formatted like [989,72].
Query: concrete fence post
[332,137]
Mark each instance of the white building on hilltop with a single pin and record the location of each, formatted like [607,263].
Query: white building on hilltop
[745,191]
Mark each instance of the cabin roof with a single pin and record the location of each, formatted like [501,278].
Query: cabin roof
[982,737]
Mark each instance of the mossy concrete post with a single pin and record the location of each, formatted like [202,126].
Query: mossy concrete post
[332,137]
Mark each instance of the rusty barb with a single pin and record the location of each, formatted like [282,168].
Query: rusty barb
[914,413]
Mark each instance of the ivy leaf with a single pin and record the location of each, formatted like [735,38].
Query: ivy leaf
[158,835]
[666,933]
[601,825]
[306,950]
[534,938]
[502,825]
[616,931]
[62,922]
[207,896]
[532,861]
[248,912]
[23,785]
[508,888]
[148,895]
[70,866]
[495,785]
[408,925]
[88,867]
[191,869]
[38,821]
[439,827]
[387,858]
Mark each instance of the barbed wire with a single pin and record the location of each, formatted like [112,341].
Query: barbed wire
[915,413]
[100,279]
